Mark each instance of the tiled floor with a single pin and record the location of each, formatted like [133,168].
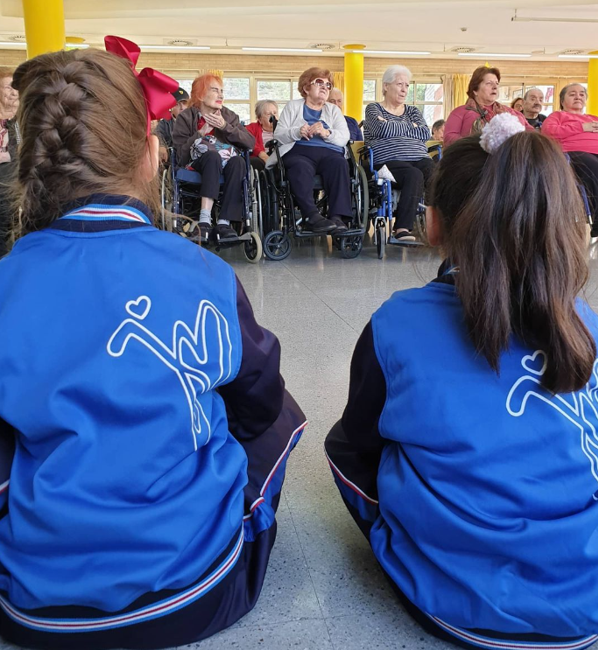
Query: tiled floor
[323,590]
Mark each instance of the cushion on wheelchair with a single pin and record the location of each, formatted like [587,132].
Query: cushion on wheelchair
[189,176]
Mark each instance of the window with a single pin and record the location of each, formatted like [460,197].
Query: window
[237,96]
[279,90]
[506,94]
[429,99]
[369,93]
[186,84]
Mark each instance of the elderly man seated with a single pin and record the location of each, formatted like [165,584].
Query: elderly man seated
[164,127]
[532,105]
[336,98]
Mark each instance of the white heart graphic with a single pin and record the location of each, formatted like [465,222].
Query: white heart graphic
[139,308]
[530,364]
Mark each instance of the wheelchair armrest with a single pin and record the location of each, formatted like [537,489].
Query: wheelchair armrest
[270,146]
[274,146]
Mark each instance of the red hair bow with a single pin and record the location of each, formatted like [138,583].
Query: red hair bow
[157,87]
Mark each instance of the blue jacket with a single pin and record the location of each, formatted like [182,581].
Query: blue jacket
[355,133]
[119,342]
[487,484]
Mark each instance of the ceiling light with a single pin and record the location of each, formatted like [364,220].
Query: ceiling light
[181,48]
[12,43]
[484,55]
[416,53]
[584,57]
[280,49]
[77,46]
[530,19]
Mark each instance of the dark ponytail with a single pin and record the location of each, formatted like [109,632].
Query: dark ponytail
[514,223]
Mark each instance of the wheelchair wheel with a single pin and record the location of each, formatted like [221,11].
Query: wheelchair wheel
[264,194]
[166,200]
[419,226]
[277,245]
[381,240]
[351,246]
[253,249]
[362,198]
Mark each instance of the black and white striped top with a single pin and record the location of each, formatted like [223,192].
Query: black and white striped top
[395,137]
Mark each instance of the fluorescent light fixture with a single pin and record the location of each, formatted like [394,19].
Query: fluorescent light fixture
[584,57]
[416,53]
[280,49]
[484,55]
[23,44]
[179,48]
[540,19]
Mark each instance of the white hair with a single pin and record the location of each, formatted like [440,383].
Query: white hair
[260,106]
[390,74]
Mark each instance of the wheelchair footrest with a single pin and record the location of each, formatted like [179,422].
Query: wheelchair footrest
[401,242]
[234,240]
[352,232]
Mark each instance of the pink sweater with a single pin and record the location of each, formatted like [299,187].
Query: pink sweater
[567,129]
[459,122]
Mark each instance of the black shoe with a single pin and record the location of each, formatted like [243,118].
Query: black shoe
[321,225]
[204,232]
[340,226]
[223,232]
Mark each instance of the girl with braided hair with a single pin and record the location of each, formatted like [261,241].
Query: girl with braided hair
[144,429]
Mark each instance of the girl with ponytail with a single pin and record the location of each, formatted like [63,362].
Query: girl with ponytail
[144,424]
[468,450]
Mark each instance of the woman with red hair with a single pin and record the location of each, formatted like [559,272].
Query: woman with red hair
[208,138]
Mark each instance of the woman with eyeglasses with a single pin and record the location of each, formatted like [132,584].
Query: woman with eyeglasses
[482,105]
[208,138]
[313,133]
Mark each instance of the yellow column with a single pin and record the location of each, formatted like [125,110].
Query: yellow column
[592,106]
[354,81]
[44,26]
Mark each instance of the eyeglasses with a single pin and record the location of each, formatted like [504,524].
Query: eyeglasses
[217,91]
[322,83]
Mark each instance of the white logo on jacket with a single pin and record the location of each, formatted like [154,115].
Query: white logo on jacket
[209,341]
[580,408]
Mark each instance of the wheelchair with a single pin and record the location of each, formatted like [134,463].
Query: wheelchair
[282,218]
[382,203]
[181,204]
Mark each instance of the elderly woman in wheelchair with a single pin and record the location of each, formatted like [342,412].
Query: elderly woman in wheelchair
[312,135]
[208,138]
[397,134]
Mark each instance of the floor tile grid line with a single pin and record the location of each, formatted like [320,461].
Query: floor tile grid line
[321,300]
[309,573]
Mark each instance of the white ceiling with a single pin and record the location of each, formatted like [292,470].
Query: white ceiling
[438,27]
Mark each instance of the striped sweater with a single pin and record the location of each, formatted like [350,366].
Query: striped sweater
[395,137]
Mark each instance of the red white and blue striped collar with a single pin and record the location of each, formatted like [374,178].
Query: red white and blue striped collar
[108,208]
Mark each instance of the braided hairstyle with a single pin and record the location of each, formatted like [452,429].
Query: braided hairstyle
[82,117]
